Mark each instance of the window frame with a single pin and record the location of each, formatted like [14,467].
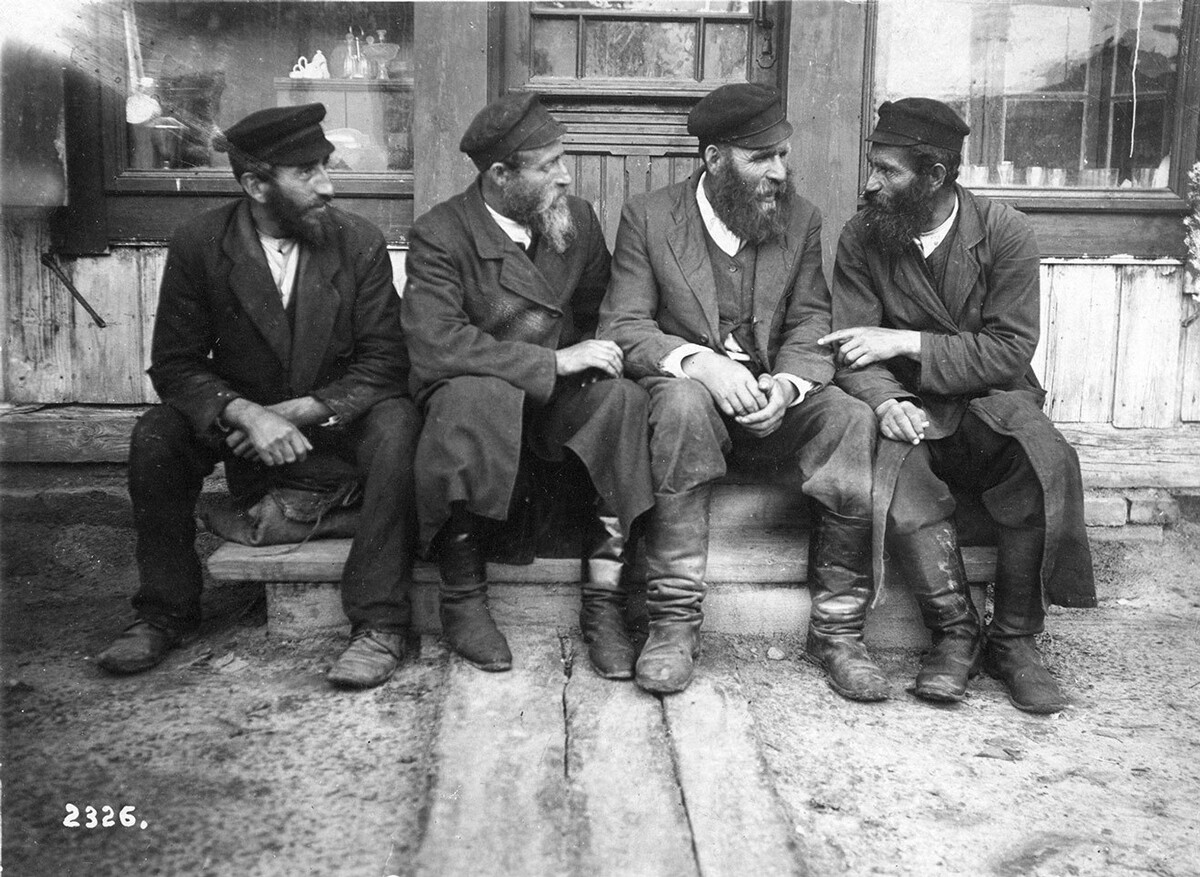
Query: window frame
[1093,222]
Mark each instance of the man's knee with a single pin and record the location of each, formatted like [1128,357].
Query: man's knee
[162,432]
[393,423]
[681,404]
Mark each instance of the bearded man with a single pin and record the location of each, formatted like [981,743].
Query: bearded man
[935,304]
[504,283]
[717,299]
[278,351]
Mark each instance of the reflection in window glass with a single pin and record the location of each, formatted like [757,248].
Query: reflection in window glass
[665,50]
[689,6]
[194,67]
[1056,94]
[553,47]
[725,50]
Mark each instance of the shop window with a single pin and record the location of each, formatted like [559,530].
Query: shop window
[1059,94]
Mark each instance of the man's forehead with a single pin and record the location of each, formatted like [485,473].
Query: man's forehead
[899,156]
[542,154]
[777,148]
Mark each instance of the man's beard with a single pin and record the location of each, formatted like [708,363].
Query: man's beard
[893,224]
[310,223]
[738,203]
[544,211]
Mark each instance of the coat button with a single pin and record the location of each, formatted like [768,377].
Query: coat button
[704,339]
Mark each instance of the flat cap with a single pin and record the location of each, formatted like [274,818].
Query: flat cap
[746,114]
[279,135]
[513,122]
[916,120]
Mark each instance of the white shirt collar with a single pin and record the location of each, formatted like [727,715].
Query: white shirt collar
[724,238]
[930,240]
[515,231]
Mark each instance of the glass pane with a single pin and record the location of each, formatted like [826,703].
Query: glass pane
[693,6]
[725,47]
[640,49]
[193,66]
[554,47]
[1057,94]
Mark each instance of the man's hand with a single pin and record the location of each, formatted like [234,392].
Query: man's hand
[864,345]
[902,421]
[604,355]
[780,394]
[263,433]
[732,386]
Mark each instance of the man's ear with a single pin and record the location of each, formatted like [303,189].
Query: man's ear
[498,172]
[712,157]
[937,176]
[254,186]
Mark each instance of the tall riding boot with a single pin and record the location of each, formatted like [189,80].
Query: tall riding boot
[931,562]
[676,558]
[839,574]
[602,608]
[1011,655]
[466,621]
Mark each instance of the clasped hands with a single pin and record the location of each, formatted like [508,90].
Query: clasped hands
[271,433]
[756,404]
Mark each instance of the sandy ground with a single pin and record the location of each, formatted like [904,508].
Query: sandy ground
[240,760]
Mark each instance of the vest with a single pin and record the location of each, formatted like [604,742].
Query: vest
[734,280]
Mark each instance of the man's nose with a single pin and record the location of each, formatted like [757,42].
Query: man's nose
[321,183]
[564,175]
[777,170]
[874,182]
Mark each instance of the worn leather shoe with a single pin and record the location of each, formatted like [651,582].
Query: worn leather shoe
[602,620]
[1017,663]
[140,646]
[468,627]
[669,657]
[947,668]
[370,659]
[852,673]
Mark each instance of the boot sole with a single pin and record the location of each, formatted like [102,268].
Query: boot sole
[661,687]
[858,696]
[936,696]
[619,675]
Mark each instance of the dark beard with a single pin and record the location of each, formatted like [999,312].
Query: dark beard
[891,226]
[315,227]
[552,222]
[735,201]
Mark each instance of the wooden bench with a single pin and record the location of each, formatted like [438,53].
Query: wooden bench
[758,563]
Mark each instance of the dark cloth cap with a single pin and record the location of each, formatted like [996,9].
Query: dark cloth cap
[508,124]
[916,120]
[278,135]
[746,114]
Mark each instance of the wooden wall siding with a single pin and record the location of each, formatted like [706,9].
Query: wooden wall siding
[1149,346]
[609,180]
[1190,403]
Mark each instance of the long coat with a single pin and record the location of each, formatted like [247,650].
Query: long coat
[475,304]
[221,331]
[977,343]
[663,293]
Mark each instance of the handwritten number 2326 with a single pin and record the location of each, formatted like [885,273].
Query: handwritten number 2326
[106,817]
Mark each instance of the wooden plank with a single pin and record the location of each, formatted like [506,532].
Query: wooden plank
[660,172]
[588,184]
[1189,404]
[37,362]
[739,825]
[1112,457]
[612,196]
[70,435]
[499,803]
[1080,336]
[627,806]
[1045,335]
[106,364]
[1148,348]
[152,262]
[637,176]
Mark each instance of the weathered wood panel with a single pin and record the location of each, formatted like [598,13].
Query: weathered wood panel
[1079,336]
[1190,391]
[40,314]
[1148,347]
[1115,457]
[106,363]
[152,261]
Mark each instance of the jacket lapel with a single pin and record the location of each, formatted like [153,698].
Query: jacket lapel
[772,268]
[251,281]
[962,268]
[317,303]
[686,240]
[517,272]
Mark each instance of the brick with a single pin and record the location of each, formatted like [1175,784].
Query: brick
[1152,507]
[1105,510]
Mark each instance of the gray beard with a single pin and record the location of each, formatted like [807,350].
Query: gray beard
[736,204]
[555,225]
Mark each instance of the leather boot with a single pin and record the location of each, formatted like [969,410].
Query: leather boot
[1011,654]
[676,558]
[840,581]
[467,623]
[603,603]
[931,562]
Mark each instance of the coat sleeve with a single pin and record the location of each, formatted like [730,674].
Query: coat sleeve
[181,366]
[442,341]
[856,302]
[807,315]
[379,367]
[995,357]
[593,280]
[629,314]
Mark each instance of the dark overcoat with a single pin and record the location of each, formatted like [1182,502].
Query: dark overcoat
[663,293]
[977,342]
[221,331]
[475,304]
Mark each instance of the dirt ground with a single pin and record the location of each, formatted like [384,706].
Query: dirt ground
[239,760]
